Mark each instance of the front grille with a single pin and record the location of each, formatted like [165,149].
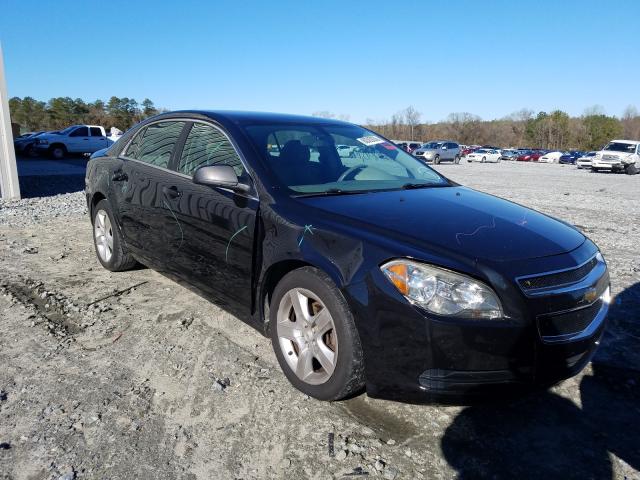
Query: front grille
[558,279]
[568,323]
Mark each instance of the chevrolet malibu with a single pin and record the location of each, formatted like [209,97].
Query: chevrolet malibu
[367,272]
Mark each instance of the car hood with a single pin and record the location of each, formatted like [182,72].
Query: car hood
[457,219]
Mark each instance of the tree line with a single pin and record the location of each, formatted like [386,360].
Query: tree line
[60,112]
[525,128]
[549,130]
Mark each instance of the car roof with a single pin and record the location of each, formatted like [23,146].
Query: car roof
[633,142]
[242,117]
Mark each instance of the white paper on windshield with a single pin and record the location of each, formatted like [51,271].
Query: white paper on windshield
[370,140]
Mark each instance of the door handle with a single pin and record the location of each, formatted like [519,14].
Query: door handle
[172,192]
[119,176]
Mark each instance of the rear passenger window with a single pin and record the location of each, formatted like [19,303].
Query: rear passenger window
[206,146]
[155,143]
[80,132]
[96,132]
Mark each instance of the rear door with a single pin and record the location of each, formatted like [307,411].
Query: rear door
[141,190]
[212,246]
[78,140]
[97,140]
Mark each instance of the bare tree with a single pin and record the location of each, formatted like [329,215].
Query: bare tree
[412,117]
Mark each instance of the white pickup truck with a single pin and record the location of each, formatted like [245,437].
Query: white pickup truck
[617,156]
[73,139]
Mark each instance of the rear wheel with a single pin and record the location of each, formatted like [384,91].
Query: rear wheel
[107,240]
[457,159]
[314,336]
[484,159]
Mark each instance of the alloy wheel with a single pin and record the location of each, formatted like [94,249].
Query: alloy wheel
[103,233]
[307,336]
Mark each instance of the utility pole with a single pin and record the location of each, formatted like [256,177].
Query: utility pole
[9,187]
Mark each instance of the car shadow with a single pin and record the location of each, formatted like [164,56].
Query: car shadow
[545,435]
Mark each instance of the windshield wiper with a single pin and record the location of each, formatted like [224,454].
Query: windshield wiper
[331,191]
[409,186]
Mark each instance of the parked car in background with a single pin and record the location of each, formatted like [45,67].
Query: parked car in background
[73,139]
[570,158]
[344,150]
[535,156]
[525,156]
[618,156]
[585,160]
[439,151]
[324,256]
[24,144]
[509,154]
[550,157]
[408,145]
[483,155]
[467,150]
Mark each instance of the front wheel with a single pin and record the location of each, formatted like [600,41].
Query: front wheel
[436,160]
[484,159]
[57,152]
[314,336]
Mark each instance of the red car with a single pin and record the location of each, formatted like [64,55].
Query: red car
[468,150]
[535,156]
[531,156]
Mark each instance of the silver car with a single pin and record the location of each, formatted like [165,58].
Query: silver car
[439,151]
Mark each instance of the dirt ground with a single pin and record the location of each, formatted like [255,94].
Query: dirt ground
[130,375]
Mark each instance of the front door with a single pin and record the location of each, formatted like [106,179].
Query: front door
[78,140]
[212,246]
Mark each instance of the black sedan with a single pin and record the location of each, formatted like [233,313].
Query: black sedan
[372,271]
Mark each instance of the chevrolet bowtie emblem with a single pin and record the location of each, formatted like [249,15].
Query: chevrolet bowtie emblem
[590,296]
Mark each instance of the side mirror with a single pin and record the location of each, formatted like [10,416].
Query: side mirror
[219,176]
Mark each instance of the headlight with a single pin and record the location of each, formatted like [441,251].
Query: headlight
[441,291]
[428,154]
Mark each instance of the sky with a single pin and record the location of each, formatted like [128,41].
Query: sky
[364,59]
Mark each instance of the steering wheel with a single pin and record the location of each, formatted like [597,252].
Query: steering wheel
[357,168]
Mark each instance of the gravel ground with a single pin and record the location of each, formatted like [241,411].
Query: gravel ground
[131,375]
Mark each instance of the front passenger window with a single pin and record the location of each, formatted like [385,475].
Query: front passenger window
[206,146]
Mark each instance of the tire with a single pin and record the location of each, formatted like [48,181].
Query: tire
[484,159]
[290,340]
[436,160]
[107,240]
[457,160]
[30,151]
[57,152]
[631,169]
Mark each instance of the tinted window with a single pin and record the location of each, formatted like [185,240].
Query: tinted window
[80,132]
[96,132]
[205,146]
[453,145]
[155,143]
[305,159]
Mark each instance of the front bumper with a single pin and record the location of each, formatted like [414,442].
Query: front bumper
[608,165]
[411,355]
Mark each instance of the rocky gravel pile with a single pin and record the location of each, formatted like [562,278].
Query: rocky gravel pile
[18,213]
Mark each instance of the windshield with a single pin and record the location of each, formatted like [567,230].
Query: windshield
[305,159]
[432,145]
[620,147]
[68,130]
